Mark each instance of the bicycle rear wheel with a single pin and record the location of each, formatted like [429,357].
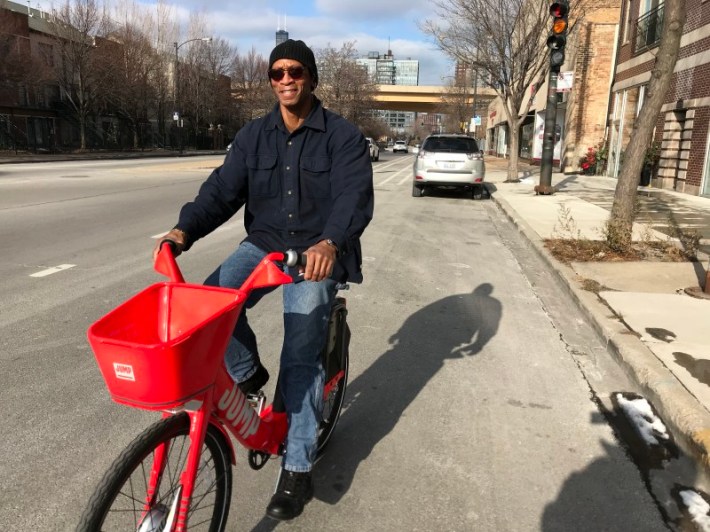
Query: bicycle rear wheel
[335,363]
[120,499]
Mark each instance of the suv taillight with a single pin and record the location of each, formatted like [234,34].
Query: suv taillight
[475,156]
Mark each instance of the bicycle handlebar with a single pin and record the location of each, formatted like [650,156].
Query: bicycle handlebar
[294,258]
[166,264]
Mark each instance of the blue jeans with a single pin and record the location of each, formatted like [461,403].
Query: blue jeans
[306,311]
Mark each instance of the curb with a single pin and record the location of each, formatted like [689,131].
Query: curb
[99,156]
[679,408]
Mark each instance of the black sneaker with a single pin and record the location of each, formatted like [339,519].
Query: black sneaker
[256,382]
[293,492]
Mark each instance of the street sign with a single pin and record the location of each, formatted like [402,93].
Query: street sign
[565,80]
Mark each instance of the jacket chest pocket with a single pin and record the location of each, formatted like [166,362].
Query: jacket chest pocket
[262,181]
[315,177]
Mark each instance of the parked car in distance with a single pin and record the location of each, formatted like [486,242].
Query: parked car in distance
[374,149]
[451,161]
[400,145]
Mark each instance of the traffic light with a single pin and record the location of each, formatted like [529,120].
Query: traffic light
[558,35]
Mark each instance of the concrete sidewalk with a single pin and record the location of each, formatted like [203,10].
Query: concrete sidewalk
[659,333]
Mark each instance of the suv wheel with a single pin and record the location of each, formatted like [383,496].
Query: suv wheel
[417,192]
[477,192]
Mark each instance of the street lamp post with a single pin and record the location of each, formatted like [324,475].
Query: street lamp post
[177,116]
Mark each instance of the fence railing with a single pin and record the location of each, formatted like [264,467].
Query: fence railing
[649,28]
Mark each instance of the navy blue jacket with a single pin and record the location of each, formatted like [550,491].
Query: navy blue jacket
[298,188]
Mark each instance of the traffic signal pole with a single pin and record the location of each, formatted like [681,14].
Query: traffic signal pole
[548,139]
[556,43]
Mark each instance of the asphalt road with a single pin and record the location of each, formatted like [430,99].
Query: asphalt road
[466,408]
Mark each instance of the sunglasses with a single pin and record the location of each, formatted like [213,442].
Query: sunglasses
[294,72]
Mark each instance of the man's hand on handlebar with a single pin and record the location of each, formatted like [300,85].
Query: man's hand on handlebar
[320,261]
[175,235]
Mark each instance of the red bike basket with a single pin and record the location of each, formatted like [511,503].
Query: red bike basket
[165,344]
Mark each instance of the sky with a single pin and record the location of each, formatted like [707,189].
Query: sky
[374,25]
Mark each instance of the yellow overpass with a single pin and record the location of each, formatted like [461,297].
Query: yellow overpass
[427,98]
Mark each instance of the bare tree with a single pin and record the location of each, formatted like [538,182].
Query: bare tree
[344,86]
[505,43]
[220,57]
[620,224]
[193,73]
[165,35]
[131,66]
[75,25]
[455,106]
[251,86]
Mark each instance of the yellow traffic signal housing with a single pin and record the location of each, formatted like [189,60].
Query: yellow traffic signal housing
[558,35]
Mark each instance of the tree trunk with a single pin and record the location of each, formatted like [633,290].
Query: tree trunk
[511,106]
[513,155]
[620,224]
[82,132]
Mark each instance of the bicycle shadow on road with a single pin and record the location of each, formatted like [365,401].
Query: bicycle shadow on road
[451,328]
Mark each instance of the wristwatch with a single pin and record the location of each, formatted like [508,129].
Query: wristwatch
[331,243]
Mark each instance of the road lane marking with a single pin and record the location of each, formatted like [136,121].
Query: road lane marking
[406,170]
[50,271]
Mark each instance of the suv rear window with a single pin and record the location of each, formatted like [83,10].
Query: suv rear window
[451,145]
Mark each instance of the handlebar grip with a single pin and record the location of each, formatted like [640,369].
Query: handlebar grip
[294,258]
[172,244]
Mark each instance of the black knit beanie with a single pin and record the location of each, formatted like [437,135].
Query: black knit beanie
[298,51]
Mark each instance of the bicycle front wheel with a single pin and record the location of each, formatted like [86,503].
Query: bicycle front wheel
[335,359]
[121,501]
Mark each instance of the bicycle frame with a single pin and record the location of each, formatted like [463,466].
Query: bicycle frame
[222,405]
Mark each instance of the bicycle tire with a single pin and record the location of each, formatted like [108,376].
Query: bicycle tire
[214,476]
[335,358]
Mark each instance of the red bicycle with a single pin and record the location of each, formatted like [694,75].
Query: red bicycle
[163,350]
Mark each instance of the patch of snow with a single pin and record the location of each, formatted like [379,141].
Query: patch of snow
[697,507]
[640,413]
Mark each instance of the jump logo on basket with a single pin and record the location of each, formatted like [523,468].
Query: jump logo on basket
[234,406]
[124,371]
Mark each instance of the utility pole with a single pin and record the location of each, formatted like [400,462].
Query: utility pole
[556,43]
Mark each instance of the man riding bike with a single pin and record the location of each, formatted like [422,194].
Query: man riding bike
[304,176]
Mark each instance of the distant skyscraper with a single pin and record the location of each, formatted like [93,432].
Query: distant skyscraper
[384,69]
[281,36]
[281,33]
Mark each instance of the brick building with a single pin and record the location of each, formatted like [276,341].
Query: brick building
[28,116]
[682,126]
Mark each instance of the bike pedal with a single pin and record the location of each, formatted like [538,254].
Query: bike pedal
[257,400]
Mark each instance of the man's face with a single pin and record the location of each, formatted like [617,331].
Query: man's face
[292,93]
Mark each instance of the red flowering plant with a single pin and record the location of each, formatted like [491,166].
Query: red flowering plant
[594,160]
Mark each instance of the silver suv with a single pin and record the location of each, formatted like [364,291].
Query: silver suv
[447,160]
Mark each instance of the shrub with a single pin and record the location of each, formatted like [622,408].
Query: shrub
[594,161]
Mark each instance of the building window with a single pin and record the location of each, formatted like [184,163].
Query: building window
[625,28]
[46,52]
[649,28]
[705,190]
